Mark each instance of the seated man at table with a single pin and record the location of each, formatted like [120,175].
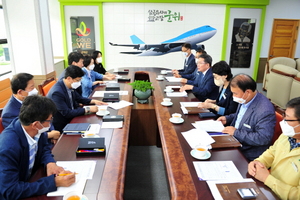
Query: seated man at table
[24,149]
[283,157]
[67,100]
[254,121]
[22,85]
[203,86]
[189,62]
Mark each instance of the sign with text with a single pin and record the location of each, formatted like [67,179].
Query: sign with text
[83,34]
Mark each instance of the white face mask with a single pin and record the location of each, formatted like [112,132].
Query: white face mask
[185,54]
[99,60]
[239,100]
[33,92]
[75,85]
[196,60]
[287,129]
[40,131]
[91,67]
[219,82]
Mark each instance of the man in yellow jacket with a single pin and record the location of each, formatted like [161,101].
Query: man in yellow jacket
[283,158]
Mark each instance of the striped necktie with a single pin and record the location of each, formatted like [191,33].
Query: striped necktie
[32,153]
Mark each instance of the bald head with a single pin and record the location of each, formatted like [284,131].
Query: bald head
[243,82]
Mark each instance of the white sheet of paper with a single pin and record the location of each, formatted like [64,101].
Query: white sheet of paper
[197,136]
[173,79]
[85,170]
[94,128]
[210,125]
[216,170]
[177,94]
[214,190]
[112,124]
[101,93]
[120,104]
[190,104]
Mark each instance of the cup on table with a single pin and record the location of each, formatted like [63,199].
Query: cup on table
[74,195]
[168,89]
[160,76]
[176,117]
[163,71]
[166,100]
[88,134]
[102,110]
[200,150]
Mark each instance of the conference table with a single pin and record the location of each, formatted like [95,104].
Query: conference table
[109,177]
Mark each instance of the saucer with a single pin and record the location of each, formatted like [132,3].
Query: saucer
[166,103]
[160,79]
[106,113]
[168,91]
[206,156]
[179,122]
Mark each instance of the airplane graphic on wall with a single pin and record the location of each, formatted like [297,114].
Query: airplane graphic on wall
[194,37]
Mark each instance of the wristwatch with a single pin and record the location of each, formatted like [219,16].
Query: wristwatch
[88,110]
[214,107]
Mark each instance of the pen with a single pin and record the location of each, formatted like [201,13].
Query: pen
[66,174]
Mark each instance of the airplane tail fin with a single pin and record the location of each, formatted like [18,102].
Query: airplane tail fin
[136,40]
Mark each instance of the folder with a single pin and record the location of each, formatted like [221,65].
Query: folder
[225,141]
[76,128]
[196,110]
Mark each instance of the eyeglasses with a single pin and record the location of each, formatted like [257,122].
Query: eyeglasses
[291,120]
[201,63]
[50,120]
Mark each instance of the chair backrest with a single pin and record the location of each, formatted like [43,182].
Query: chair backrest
[5,91]
[277,129]
[46,85]
[1,126]
[282,60]
[295,89]
[141,75]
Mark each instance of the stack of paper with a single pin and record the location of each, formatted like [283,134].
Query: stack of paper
[209,125]
[120,104]
[173,79]
[101,93]
[112,124]
[177,94]
[195,136]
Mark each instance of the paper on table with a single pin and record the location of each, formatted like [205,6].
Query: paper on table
[214,190]
[112,124]
[190,104]
[196,136]
[210,125]
[177,94]
[101,93]
[95,128]
[120,104]
[216,170]
[85,170]
[173,79]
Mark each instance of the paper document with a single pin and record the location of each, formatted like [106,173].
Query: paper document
[112,124]
[216,170]
[177,94]
[95,128]
[84,169]
[173,79]
[196,136]
[214,190]
[190,104]
[210,125]
[101,93]
[120,104]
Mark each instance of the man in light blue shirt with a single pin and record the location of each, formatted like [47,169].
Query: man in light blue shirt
[253,123]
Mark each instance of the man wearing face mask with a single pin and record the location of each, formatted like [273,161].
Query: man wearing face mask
[67,100]
[24,149]
[189,62]
[254,121]
[278,167]
[90,80]
[22,85]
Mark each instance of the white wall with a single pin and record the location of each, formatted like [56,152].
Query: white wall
[288,9]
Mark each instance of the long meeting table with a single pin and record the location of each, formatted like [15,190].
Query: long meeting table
[109,176]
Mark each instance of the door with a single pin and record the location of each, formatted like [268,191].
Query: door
[284,38]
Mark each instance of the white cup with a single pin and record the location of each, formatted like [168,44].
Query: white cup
[74,195]
[166,100]
[168,89]
[163,71]
[102,110]
[200,150]
[176,117]
[160,76]
[88,134]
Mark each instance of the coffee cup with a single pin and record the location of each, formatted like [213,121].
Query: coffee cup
[163,71]
[74,195]
[176,117]
[200,150]
[102,110]
[88,134]
[160,76]
[166,100]
[168,89]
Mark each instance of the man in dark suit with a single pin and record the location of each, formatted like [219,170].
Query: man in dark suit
[24,149]
[22,85]
[67,100]
[254,121]
[203,86]
[189,62]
